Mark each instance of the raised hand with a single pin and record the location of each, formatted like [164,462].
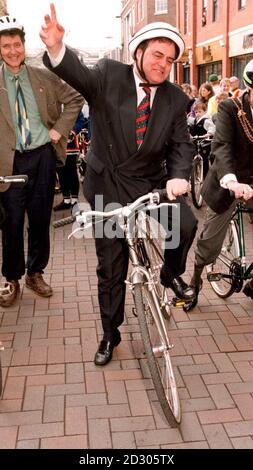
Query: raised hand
[52,32]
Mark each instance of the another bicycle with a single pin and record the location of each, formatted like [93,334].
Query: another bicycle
[228,273]
[6,287]
[200,167]
[152,304]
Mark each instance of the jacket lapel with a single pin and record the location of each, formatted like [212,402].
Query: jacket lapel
[247,108]
[39,91]
[127,111]
[4,101]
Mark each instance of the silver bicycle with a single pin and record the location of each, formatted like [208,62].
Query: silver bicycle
[151,300]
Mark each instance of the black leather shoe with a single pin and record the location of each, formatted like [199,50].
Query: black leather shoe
[62,206]
[179,287]
[248,289]
[188,306]
[105,350]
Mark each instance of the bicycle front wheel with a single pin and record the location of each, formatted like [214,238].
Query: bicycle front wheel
[230,251]
[197,178]
[157,349]
[155,259]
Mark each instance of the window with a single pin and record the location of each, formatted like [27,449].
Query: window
[204,12]
[161,6]
[140,11]
[241,4]
[186,16]
[215,10]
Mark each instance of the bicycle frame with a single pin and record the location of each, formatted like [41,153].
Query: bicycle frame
[237,215]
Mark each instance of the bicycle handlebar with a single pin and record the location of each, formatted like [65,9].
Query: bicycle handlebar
[14,179]
[81,217]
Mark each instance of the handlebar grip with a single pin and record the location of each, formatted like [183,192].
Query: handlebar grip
[161,192]
[65,221]
[14,179]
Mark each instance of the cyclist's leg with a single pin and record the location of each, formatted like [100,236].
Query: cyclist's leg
[210,241]
[181,226]
[112,268]
[208,246]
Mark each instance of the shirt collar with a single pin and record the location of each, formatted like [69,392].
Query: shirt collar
[21,75]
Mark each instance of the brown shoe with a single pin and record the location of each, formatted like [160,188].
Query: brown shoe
[37,283]
[9,293]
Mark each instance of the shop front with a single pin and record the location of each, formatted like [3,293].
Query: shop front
[208,61]
[240,51]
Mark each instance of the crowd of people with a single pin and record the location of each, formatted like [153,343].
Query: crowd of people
[140,140]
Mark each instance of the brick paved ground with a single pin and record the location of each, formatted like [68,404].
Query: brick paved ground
[55,397]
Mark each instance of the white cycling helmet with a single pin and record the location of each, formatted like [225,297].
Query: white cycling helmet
[156,30]
[9,22]
[248,75]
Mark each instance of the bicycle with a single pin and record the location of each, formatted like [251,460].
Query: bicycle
[151,300]
[84,144]
[228,273]
[6,287]
[200,167]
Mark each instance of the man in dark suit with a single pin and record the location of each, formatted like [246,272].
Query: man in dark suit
[122,169]
[228,178]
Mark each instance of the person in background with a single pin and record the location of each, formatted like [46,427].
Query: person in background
[68,176]
[228,179]
[218,98]
[234,86]
[33,135]
[194,90]
[214,81]
[213,103]
[139,138]
[188,91]
[202,125]
[205,94]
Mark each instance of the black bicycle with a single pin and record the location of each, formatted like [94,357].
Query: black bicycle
[229,271]
[200,168]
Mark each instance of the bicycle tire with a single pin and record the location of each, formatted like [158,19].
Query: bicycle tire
[155,260]
[230,251]
[159,361]
[197,178]
[65,221]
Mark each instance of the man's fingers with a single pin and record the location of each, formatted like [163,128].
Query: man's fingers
[53,11]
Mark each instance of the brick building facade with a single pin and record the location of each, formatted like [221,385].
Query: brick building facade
[218,36]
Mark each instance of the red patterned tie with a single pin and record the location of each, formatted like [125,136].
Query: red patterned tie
[142,117]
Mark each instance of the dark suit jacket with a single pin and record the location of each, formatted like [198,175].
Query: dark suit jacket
[116,168]
[232,152]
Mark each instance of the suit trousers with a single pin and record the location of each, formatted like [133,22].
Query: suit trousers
[35,199]
[68,177]
[210,241]
[112,254]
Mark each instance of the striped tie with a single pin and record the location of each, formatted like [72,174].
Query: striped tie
[24,133]
[142,117]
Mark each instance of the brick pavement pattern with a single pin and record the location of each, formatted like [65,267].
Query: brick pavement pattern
[55,397]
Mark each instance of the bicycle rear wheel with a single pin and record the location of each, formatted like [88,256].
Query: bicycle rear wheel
[157,347]
[197,178]
[230,251]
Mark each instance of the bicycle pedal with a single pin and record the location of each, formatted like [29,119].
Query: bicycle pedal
[212,276]
[176,302]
